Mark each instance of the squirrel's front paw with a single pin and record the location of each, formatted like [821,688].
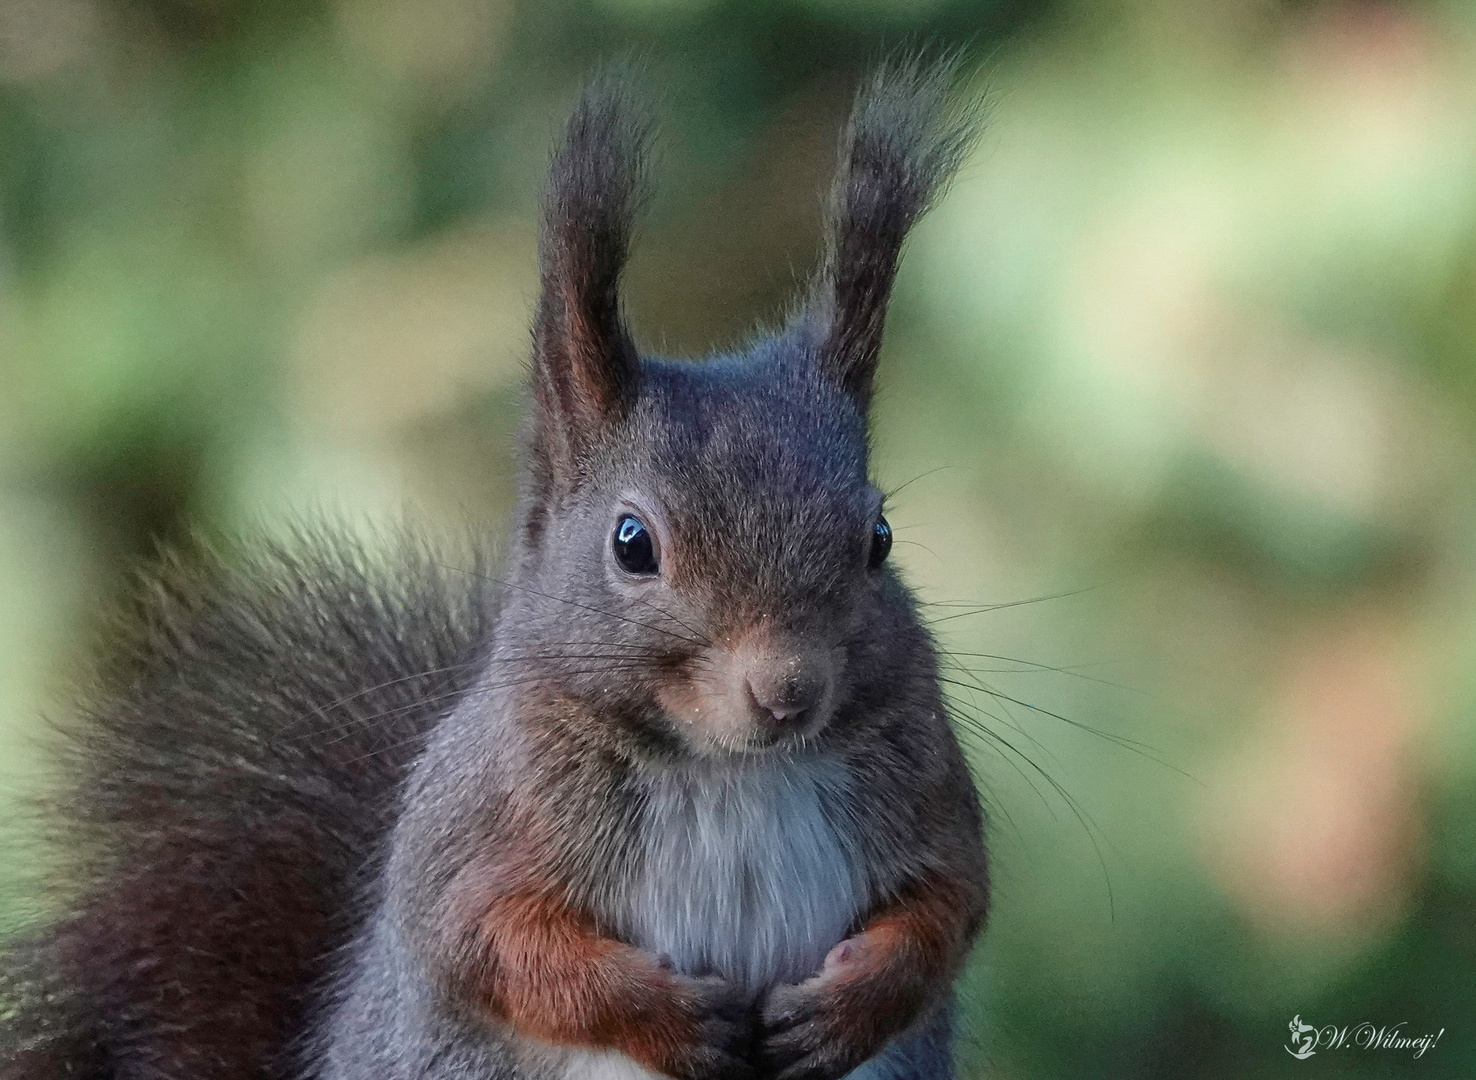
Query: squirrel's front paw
[722,1032]
[826,1026]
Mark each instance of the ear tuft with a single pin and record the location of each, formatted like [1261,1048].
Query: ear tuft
[585,368]
[898,153]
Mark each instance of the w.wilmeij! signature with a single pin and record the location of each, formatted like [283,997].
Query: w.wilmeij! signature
[1306,1040]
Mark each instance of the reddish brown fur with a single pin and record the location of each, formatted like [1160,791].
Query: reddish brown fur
[553,977]
[875,984]
[532,960]
[909,949]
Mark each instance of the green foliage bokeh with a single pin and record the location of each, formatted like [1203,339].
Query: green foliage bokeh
[1189,351]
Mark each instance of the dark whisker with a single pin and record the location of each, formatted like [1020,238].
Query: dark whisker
[1088,823]
[698,636]
[980,609]
[1011,722]
[573,603]
[977,727]
[920,476]
[321,710]
[1141,748]
[620,651]
[1074,670]
[458,695]
[916,544]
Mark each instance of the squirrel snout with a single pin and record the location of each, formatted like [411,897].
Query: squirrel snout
[788,695]
[761,693]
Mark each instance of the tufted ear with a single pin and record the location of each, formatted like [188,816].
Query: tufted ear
[899,151]
[585,368]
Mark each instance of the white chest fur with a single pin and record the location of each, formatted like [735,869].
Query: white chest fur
[742,874]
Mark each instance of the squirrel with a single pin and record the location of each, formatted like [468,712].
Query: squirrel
[674,793]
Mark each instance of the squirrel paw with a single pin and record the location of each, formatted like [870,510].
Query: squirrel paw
[807,1031]
[725,1029]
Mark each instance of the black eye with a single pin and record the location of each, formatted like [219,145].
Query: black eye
[635,547]
[881,543]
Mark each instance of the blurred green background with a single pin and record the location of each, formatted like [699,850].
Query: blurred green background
[1192,341]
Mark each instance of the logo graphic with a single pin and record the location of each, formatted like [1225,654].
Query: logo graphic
[1304,1039]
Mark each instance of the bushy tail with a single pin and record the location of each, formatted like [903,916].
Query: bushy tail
[225,796]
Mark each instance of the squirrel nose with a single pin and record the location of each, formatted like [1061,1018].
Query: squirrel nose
[788,693]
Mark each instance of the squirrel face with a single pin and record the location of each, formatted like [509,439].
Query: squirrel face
[725,550]
[702,557]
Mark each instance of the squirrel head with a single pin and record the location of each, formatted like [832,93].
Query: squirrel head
[702,556]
